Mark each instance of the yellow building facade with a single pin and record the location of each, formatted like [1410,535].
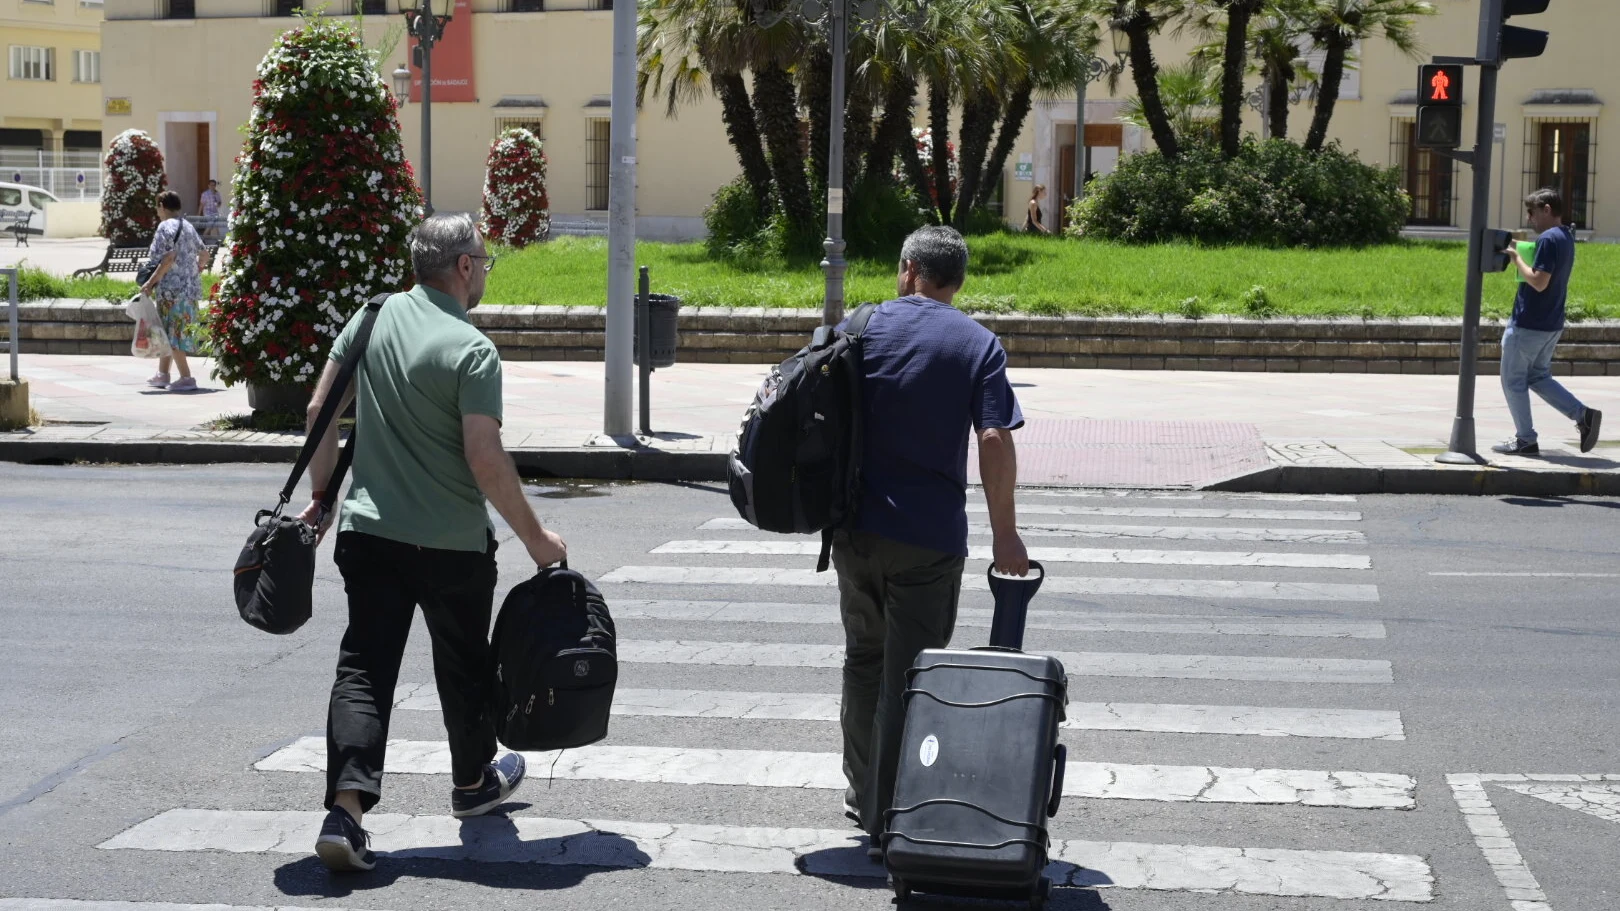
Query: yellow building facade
[50,103]
[182,70]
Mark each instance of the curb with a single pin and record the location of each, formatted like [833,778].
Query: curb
[639,464]
[1442,481]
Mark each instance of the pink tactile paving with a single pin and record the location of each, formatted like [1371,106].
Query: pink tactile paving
[1086,453]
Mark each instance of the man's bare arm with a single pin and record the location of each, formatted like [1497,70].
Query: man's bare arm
[324,461]
[998,467]
[497,477]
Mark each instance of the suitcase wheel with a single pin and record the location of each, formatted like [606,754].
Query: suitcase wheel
[902,889]
[1043,891]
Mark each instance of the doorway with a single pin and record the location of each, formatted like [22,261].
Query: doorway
[187,141]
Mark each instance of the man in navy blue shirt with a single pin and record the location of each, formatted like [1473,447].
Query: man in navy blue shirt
[930,374]
[1538,320]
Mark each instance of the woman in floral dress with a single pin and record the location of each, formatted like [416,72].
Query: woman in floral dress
[176,286]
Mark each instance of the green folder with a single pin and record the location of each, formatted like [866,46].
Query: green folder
[1527,249]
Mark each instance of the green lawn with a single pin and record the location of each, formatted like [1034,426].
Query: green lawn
[1052,275]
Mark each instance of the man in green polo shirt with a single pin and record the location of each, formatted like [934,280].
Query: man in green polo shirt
[415,531]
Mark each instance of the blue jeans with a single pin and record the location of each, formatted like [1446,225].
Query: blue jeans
[1527,364]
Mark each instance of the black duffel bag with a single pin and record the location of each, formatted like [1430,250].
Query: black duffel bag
[556,663]
[275,573]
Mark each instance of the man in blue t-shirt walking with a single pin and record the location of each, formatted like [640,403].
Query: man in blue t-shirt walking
[1538,320]
[930,373]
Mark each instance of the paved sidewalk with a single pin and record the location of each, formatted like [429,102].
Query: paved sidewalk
[1256,431]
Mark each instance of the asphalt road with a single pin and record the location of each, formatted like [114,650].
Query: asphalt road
[139,717]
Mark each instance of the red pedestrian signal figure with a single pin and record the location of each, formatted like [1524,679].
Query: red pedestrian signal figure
[1440,87]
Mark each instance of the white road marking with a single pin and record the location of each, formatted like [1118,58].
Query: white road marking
[788,852]
[1523,891]
[1077,664]
[1600,799]
[1069,620]
[1537,575]
[1348,724]
[1241,535]
[88,905]
[825,771]
[1165,512]
[1134,494]
[1072,585]
[1055,555]
[75,904]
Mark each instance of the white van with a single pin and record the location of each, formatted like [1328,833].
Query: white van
[18,197]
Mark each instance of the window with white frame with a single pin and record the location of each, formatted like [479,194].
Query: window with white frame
[535,125]
[35,63]
[86,66]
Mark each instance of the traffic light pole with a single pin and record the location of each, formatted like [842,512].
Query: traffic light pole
[1462,449]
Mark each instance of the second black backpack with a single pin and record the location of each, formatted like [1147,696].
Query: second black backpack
[796,465]
[556,663]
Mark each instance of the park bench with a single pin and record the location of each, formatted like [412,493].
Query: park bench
[129,259]
[17,224]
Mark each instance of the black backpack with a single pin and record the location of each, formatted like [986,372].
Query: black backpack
[555,663]
[796,468]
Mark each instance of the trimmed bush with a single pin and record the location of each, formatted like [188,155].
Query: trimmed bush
[878,216]
[1273,194]
[324,202]
[516,210]
[135,180]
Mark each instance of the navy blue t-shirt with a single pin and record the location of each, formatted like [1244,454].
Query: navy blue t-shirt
[931,373]
[1544,310]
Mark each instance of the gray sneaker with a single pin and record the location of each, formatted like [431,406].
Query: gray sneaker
[184,384]
[1516,446]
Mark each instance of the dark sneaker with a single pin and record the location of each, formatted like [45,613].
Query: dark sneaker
[501,778]
[1588,426]
[343,846]
[1516,446]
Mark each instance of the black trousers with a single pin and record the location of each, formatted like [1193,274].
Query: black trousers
[385,581]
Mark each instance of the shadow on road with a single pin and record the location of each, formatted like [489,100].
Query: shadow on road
[1555,502]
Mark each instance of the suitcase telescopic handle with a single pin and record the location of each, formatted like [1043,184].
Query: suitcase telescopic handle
[1060,758]
[1012,595]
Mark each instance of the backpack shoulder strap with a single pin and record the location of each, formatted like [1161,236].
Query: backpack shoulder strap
[859,319]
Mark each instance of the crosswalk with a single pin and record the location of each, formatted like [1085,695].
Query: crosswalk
[761,631]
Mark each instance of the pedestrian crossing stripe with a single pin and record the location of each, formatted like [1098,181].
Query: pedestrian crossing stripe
[781,548]
[790,769]
[783,851]
[1077,664]
[1069,585]
[1233,534]
[1059,620]
[1348,724]
[1178,512]
[1136,494]
[77,904]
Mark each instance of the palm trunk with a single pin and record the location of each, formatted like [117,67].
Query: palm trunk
[939,128]
[979,115]
[743,131]
[1328,96]
[918,175]
[1012,123]
[1278,78]
[1145,73]
[894,130]
[778,110]
[1234,62]
[817,97]
[857,134]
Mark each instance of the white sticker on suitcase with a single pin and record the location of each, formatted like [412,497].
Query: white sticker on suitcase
[930,750]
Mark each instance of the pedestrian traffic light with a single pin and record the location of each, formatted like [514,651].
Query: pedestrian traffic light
[1493,250]
[1439,127]
[1499,41]
[1440,83]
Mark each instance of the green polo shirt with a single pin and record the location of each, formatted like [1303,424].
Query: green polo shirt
[425,368]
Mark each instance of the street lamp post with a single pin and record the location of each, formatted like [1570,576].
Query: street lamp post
[1095,70]
[426,24]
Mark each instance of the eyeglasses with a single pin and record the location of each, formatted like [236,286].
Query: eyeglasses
[489,261]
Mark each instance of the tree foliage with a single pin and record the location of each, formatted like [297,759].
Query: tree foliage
[517,211]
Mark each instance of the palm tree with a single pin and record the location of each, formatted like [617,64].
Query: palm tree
[1275,34]
[1187,92]
[1234,64]
[1336,25]
[1140,20]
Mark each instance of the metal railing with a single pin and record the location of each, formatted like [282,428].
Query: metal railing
[63,183]
[12,343]
[78,159]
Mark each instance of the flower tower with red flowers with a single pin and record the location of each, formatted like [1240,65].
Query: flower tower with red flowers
[516,210]
[322,205]
[135,180]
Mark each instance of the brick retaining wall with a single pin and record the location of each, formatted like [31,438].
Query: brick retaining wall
[758,335]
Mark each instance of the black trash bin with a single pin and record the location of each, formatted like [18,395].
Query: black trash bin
[664,319]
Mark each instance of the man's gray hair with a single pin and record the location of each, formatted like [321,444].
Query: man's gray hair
[940,255]
[439,241]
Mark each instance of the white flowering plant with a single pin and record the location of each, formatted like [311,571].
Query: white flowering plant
[516,210]
[322,205]
[135,180]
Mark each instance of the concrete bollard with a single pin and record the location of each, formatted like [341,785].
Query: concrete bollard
[14,410]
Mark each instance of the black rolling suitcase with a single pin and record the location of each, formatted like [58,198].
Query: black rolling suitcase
[981,769]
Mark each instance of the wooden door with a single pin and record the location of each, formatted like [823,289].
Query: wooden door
[204,160]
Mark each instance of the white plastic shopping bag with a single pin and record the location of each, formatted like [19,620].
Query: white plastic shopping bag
[150,340]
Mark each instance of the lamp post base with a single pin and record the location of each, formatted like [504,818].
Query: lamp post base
[1460,458]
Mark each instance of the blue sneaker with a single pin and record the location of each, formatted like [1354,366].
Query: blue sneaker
[343,846]
[501,778]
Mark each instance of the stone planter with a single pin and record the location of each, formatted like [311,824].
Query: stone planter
[286,397]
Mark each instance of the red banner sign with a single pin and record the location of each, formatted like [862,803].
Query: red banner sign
[452,60]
